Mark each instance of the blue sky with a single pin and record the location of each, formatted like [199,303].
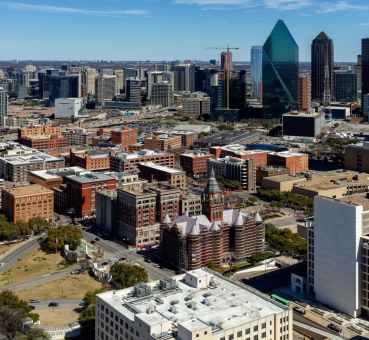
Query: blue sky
[171,29]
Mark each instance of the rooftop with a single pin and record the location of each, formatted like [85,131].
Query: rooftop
[89,177]
[138,154]
[29,190]
[162,168]
[57,173]
[196,300]
[359,199]
[302,114]
[287,154]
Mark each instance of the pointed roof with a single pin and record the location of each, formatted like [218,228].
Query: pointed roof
[214,227]
[239,221]
[258,218]
[279,33]
[212,186]
[322,36]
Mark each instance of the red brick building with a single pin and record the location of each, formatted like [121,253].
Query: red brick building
[124,137]
[92,161]
[293,161]
[195,164]
[260,157]
[81,191]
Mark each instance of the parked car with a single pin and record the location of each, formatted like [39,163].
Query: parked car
[34,301]
[53,304]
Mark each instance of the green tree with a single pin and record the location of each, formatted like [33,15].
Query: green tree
[125,275]
[58,237]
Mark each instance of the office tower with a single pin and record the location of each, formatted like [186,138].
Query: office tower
[280,72]
[129,73]
[184,77]
[322,64]
[64,86]
[106,87]
[226,62]
[3,106]
[256,71]
[196,104]
[364,67]
[304,93]
[162,94]
[339,249]
[120,80]
[88,76]
[133,90]
[358,77]
[365,105]
[345,86]
[158,76]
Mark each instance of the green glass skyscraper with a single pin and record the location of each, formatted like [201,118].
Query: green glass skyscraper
[280,72]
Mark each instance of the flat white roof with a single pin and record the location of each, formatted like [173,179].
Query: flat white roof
[162,168]
[221,305]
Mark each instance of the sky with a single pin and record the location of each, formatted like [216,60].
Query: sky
[172,29]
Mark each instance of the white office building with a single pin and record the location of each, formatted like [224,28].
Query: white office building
[67,107]
[339,230]
[199,305]
[106,87]
[154,77]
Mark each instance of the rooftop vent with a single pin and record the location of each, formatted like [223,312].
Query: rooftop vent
[142,289]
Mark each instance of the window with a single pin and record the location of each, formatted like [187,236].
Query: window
[256,328]
[247,331]
[231,337]
[239,334]
[263,326]
[256,337]
[263,335]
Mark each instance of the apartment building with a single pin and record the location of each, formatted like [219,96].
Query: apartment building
[90,160]
[24,203]
[124,137]
[210,306]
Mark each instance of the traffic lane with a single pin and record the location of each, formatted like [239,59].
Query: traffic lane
[12,258]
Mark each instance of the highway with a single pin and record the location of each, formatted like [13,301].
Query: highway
[113,249]
[18,253]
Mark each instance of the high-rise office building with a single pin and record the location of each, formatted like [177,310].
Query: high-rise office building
[3,106]
[322,64]
[120,80]
[184,77]
[304,93]
[257,71]
[64,86]
[106,87]
[280,72]
[156,77]
[365,66]
[345,85]
[226,61]
[88,78]
[162,94]
[133,90]
[358,77]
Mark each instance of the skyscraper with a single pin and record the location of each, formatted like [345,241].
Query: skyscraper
[3,106]
[64,86]
[106,87]
[304,93]
[226,62]
[280,72]
[257,71]
[364,67]
[322,64]
[133,90]
[184,77]
[345,84]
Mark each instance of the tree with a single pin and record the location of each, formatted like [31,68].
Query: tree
[87,316]
[126,275]
[58,237]
[13,312]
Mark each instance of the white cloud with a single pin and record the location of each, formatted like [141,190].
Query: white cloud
[217,2]
[287,4]
[341,6]
[71,10]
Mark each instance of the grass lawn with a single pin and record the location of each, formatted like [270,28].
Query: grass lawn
[34,264]
[6,247]
[72,287]
[50,317]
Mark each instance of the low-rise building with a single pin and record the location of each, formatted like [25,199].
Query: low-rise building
[300,124]
[282,183]
[235,169]
[128,162]
[154,172]
[206,303]
[196,104]
[124,137]
[357,157]
[295,162]
[24,203]
[195,164]
[78,136]
[190,204]
[163,142]
[90,160]
[67,107]
[16,161]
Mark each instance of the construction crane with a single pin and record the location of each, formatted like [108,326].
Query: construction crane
[227,70]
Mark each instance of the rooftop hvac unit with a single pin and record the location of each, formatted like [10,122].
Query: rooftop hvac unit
[167,284]
[142,290]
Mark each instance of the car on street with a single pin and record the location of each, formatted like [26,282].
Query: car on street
[34,301]
[53,304]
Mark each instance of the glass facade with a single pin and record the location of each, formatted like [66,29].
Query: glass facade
[256,70]
[280,72]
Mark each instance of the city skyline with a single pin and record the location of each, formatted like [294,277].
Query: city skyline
[149,29]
